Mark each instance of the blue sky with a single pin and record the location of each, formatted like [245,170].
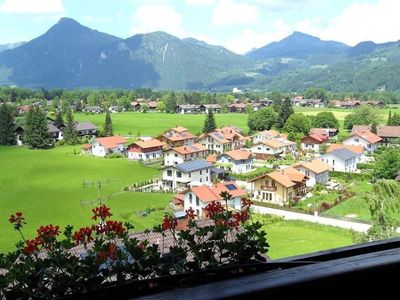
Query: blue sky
[236,24]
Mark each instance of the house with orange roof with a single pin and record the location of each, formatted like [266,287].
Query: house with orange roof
[178,155]
[313,142]
[280,187]
[329,132]
[272,148]
[236,161]
[367,139]
[198,197]
[145,150]
[177,136]
[267,135]
[223,139]
[316,170]
[108,145]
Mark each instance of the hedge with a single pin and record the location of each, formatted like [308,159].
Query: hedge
[350,176]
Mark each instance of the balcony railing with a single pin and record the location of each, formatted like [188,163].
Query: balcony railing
[269,188]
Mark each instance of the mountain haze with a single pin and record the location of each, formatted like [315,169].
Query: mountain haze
[70,55]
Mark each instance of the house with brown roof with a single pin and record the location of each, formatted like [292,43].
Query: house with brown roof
[145,150]
[205,108]
[272,148]
[237,108]
[177,136]
[313,142]
[108,145]
[267,135]
[360,128]
[198,197]
[367,139]
[279,187]
[328,132]
[178,155]
[188,109]
[223,139]
[236,161]
[316,170]
[388,133]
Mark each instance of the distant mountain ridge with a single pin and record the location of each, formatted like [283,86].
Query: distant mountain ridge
[70,55]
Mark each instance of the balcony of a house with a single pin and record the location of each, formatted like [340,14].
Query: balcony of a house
[269,188]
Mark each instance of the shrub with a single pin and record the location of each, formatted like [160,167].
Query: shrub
[115,155]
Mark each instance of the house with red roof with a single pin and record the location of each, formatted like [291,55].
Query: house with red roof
[237,161]
[178,155]
[312,142]
[108,145]
[145,150]
[223,139]
[177,136]
[370,141]
[198,197]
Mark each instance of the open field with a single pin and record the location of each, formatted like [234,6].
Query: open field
[132,123]
[47,186]
[289,238]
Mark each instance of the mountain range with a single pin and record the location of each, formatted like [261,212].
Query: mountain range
[70,55]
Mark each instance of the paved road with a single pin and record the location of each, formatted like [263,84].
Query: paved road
[289,215]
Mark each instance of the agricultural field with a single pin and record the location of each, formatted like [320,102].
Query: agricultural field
[134,123]
[289,238]
[47,186]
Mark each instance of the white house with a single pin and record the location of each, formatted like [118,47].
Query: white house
[178,136]
[367,139]
[272,148]
[239,161]
[343,160]
[151,149]
[316,170]
[107,145]
[187,109]
[313,142]
[355,148]
[181,154]
[194,172]
[223,139]
[198,197]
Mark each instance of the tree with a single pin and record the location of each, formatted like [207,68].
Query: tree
[209,122]
[394,120]
[285,111]
[389,121]
[325,120]
[249,108]
[297,125]
[364,115]
[59,119]
[383,203]
[70,134]
[145,108]
[170,102]
[36,130]
[315,93]
[108,128]
[374,128]
[262,119]
[7,126]
[387,164]
[161,106]
[276,97]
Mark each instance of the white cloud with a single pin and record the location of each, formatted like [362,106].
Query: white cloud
[149,18]
[97,20]
[30,7]
[200,2]
[250,39]
[358,22]
[228,12]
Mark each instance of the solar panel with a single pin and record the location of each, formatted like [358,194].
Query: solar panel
[231,187]
[193,165]
[218,135]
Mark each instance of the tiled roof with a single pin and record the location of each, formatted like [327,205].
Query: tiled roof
[276,143]
[293,174]
[212,158]
[278,176]
[388,131]
[184,135]
[271,134]
[317,137]
[355,148]
[188,149]
[343,153]
[239,154]
[52,129]
[150,144]
[111,142]
[193,165]
[316,166]
[212,193]
[85,126]
[358,128]
[188,106]
[179,129]
[322,131]
[368,136]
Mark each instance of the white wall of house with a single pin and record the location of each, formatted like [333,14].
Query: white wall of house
[314,178]
[144,156]
[191,200]
[172,158]
[101,151]
[337,164]
[214,145]
[237,166]
[264,149]
[310,147]
[359,141]
[174,178]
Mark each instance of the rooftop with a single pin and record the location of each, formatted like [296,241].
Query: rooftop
[317,166]
[189,149]
[212,193]
[112,141]
[193,165]
[238,154]
[343,153]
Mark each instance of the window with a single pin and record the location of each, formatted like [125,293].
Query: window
[190,198]
[176,155]
[207,178]
[197,213]
[178,174]
[201,172]
[201,179]
[169,173]
[207,171]
[333,162]
[197,201]
[190,175]
[356,140]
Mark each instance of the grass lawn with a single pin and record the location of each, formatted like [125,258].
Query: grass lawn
[289,238]
[47,186]
[355,207]
[156,123]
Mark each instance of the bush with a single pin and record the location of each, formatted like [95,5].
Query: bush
[350,176]
[115,155]
[250,175]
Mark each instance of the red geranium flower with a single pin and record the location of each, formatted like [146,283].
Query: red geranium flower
[32,246]
[169,222]
[246,202]
[102,212]
[190,213]
[83,235]
[214,208]
[17,220]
